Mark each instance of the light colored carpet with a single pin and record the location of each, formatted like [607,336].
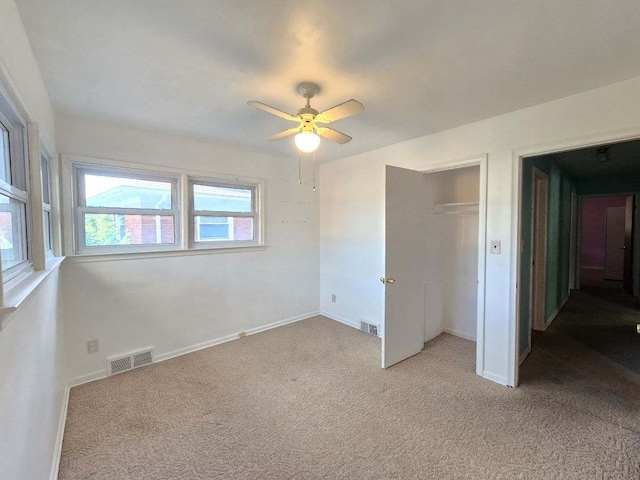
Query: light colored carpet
[310,401]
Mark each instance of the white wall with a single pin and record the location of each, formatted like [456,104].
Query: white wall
[33,380]
[353,188]
[32,366]
[19,63]
[352,242]
[174,303]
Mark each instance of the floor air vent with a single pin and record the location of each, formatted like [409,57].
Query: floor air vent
[369,328]
[122,363]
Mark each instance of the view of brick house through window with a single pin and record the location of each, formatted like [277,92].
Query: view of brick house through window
[208,199]
[110,192]
[14,200]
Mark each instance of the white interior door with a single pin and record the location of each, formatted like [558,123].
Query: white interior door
[614,243]
[406,251]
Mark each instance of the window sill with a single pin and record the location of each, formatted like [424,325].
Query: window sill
[17,296]
[111,257]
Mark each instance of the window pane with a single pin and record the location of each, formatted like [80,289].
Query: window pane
[123,192]
[221,199]
[108,229]
[46,196]
[220,229]
[13,232]
[47,231]
[4,153]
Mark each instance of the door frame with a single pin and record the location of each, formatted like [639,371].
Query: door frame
[538,175]
[606,241]
[518,155]
[629,270]
[574,245]
[483,161]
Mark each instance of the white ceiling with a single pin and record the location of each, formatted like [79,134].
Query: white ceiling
[418,66]
[624,160]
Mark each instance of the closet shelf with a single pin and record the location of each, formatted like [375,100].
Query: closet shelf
[453,208]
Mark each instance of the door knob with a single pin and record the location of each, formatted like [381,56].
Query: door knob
[387,280]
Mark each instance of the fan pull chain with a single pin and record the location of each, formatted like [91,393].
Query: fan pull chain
[299,167]
[314,171]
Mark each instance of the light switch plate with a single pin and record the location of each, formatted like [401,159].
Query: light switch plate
[496,247]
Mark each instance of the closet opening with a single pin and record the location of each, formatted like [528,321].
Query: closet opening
[451,286]
[435,254]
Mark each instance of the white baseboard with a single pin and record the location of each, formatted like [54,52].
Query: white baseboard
[525,354]
[495,378]
[97,375]
[235,336]
[457,333]
[338,318]
[57,448]
[87,377]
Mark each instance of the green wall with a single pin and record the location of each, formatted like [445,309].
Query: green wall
[561,186]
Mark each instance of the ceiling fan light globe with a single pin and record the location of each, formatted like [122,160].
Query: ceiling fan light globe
[307,142]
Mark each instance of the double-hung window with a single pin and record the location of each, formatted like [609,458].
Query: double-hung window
[14,197]
[223,215]
[123,210]
[45,168]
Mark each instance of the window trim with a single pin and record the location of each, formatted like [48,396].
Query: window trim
[47,208]
[68,164]
[223,183]
[80,208]
[19,164]
[18,283]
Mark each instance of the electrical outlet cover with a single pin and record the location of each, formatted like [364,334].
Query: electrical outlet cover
[93,346]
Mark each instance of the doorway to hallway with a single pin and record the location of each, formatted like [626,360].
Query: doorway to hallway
[591,264]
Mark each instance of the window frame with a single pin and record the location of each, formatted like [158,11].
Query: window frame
[18,173]
[69,163]
[47,209]
[223,183]
[80,208]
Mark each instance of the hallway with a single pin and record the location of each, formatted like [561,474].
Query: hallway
[591,356]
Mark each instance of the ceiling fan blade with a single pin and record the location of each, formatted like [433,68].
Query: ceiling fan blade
[333,135]
[344,110]
[286,133]
[273,111]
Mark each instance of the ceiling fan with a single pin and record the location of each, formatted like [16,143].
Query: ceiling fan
[308,132]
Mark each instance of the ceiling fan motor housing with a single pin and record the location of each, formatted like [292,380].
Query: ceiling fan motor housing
[307,125]
[306,116]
